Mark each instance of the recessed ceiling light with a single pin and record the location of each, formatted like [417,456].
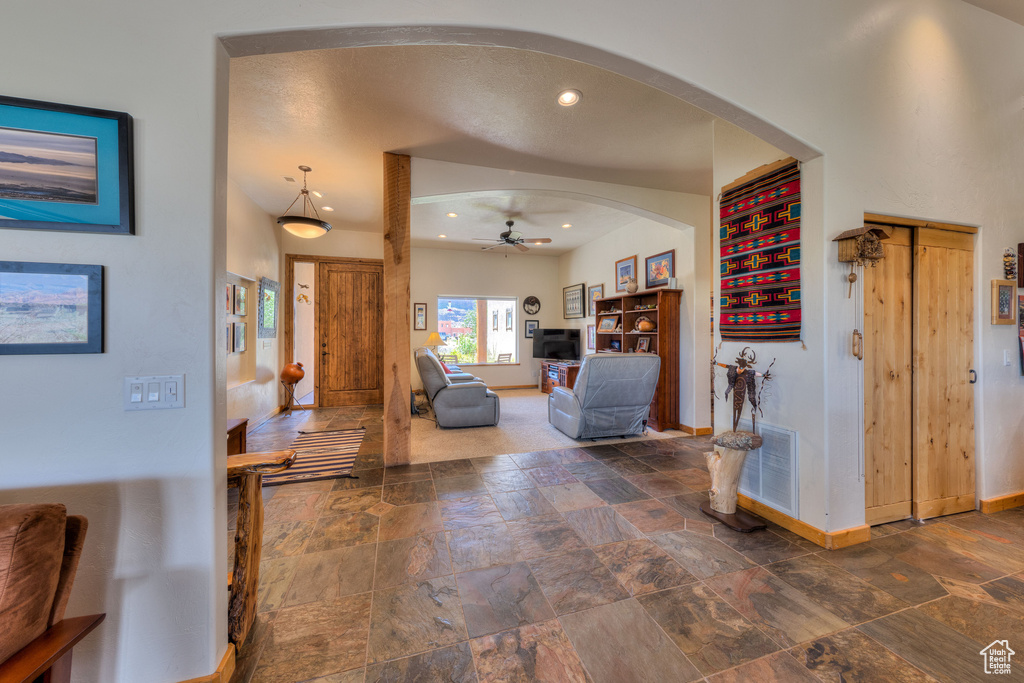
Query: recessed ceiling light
[327,208]
[442,236]
[567,98]
[566,225]
[316,194]
[452,214]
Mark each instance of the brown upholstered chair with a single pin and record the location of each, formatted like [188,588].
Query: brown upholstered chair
[40,546]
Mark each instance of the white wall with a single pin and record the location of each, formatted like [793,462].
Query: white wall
[594,264]
[915,106]
[305,325]
[253,251]
[439,272]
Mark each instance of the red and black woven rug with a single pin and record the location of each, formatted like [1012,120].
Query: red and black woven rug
[760,258]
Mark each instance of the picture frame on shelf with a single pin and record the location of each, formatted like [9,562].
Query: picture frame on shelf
[615,345]
[643,345]
[239,338]
[97,144]
[595,292]
[624,269]
[530,326]
[419,316]
[591,337]
[50,308]
[266,321]
[241,297]
[659,269]
[607,323]
[572,301]
[1003,309]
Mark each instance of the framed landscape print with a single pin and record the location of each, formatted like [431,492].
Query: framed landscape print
[239,337]
[240,299]
[1003,310]
[266,322]
[624,269]
[659,268]
[419,316]
[572,301]
[50,308]
[531,325]
[65,168]
[608,324]
[594,292]
[591,337]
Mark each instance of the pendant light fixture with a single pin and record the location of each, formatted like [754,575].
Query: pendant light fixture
[305,225]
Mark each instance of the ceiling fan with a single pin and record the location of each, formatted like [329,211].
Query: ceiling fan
[513,238]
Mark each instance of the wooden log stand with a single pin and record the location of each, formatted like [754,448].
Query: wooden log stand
[725,464]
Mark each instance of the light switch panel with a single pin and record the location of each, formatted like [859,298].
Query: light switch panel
[154,392]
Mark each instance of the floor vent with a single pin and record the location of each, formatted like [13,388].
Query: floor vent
[770,473]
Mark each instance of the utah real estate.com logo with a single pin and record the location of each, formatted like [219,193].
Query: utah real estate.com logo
[997,657]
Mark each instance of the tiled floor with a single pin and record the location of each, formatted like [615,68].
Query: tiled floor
[594,564]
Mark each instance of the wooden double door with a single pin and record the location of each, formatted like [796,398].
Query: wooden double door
[918,376]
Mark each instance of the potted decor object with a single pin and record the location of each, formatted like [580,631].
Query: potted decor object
[644,324]
[631,285]
[292,373]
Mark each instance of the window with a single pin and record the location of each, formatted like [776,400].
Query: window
[470,342]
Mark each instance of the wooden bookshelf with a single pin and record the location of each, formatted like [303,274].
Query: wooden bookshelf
[660,306]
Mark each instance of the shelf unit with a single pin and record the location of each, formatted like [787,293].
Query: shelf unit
[661,306]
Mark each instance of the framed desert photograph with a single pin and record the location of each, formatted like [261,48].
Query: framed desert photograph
[65,168]
[624,269]
[50,308]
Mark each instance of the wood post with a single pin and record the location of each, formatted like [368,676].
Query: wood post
[397,343]
[725,465]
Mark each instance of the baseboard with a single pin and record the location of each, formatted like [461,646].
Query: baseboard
[224,671]
[940,507]
[253,426]
[1010,500]
[696,431]
[830,540]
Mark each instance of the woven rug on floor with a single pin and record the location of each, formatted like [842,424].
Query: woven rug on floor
[320,455]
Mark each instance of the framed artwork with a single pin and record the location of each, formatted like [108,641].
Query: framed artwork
[240,297]
[227,335]
[531,325]
[266,323]
[659,268]
[608,324]
[531,305]
[228,298]
[508,319]
[615,345]
[50,308]
[591,337]
[419,316]
[65,168]
[239,337]
[572,301]
[1020,327]
[624,269]
[1003,292]
[595,292]
[1020,265]
[643,344]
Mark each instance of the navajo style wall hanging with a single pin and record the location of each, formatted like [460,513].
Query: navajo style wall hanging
[760,256]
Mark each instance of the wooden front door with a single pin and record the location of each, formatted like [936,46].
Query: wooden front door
[350,333]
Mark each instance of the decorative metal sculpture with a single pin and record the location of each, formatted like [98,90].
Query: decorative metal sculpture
[742,380]
[1009,264]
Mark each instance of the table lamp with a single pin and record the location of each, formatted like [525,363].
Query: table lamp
[434,340]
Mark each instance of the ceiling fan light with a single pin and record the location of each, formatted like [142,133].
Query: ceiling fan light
[303,226]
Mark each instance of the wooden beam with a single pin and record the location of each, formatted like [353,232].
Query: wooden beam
[1010,500]
[917,223]
[830,540]
[757,173]
[397,343]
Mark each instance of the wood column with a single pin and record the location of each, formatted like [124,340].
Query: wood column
[397,343]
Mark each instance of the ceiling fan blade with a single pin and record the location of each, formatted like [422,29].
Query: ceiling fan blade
[486,239]
[521,247]
[537,240]
[491,247]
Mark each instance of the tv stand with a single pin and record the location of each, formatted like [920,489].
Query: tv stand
[558,373]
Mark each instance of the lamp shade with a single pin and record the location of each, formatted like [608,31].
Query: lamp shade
[434,340]
[304,226]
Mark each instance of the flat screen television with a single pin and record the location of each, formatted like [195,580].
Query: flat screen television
[552,344]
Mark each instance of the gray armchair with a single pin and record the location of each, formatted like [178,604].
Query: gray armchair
[458,399]
[611,397]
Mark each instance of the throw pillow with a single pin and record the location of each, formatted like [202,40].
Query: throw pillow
[447,370]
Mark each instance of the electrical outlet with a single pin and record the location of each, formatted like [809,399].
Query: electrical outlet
[154,392]
[1006,358]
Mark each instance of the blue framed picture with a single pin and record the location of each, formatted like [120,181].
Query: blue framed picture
[50,308]
[660,268]
[65,168]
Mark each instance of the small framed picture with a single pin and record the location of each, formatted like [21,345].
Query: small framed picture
[267,319]
[229,298]
[419,316]
[531,325]
[615,345]
[240,299]
[1003,310]
[643,344]
[239,337]
[572,301]
[608,323]
[591,336]
[624,269]
[595,292]
[50,308]
[227,335]
[659,268]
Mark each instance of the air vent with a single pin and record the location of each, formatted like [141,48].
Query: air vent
[770,473]
[289,179]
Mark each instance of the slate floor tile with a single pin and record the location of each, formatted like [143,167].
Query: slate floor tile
[778,667]
[350,528]
[409,520]
[499,598]
[761,547]
[600,525]
[351,500]
[615,491]
[415,617]
[284,539]
[411,559]
[576,581]
[652,516]
[409,493]
[477,547]
[461,486]
[506,480]
[545,535]
[550,475]
[585,471]
[642,567]
[451,468]
[522,504]
[658,485]
[566,497]
[469,511]
[904,581]
[851,656]
[452,664]
[535,652]
[331,574]
[701,555]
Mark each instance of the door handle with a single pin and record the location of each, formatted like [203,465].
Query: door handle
[974,376]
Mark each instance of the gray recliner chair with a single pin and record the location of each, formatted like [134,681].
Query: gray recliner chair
[458,401]
[612,396]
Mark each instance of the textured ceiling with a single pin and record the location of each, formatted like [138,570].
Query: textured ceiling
[1008,9]
[339,110]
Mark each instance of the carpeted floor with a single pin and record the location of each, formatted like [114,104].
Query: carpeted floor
[523,427]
